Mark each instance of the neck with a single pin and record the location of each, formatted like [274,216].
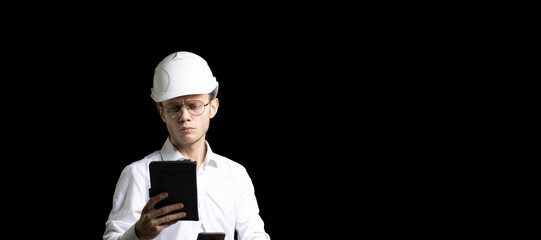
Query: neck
[195,152]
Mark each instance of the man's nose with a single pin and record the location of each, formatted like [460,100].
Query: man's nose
[184,114]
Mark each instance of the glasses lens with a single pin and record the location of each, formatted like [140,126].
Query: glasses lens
[172,112]
[195,107]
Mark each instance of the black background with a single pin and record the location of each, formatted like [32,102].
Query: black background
[324,115]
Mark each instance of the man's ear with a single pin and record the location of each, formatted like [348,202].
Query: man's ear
[160,111]
[214,104]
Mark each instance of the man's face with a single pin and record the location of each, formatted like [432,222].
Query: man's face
[187,128]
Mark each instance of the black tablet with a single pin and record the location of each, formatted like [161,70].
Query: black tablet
[178,179]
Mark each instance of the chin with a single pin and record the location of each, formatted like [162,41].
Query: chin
[188,139]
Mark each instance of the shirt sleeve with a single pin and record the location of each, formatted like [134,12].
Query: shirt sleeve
[249,225]
[129,199]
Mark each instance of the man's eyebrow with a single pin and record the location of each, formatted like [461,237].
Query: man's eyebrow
[173,104]
[180,102]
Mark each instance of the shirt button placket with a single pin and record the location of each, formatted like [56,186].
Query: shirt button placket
[201,200]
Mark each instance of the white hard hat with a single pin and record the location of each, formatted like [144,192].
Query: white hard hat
[182,73]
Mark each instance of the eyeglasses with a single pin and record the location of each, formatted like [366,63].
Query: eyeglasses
[194,107]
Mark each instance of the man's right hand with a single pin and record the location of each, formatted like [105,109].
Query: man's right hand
[153,221]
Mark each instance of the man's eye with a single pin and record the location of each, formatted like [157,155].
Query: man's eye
[173,109]
[193,106]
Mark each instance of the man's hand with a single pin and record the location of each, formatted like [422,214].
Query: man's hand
[153,221]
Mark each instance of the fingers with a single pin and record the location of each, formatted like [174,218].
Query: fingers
[170,219]
[153,221]
[153,200]
[166,209]
[163,226]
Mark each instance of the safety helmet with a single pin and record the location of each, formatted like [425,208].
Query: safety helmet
[182,73]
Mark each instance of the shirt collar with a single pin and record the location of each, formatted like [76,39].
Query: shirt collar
[170,153]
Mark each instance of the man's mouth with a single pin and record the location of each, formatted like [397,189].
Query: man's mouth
[185,129]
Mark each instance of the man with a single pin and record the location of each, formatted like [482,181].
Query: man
[185,92]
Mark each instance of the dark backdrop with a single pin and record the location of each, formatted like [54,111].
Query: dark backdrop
[316,114]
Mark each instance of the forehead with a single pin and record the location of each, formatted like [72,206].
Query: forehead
[181,99]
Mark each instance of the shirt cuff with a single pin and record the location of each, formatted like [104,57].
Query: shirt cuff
[130,234]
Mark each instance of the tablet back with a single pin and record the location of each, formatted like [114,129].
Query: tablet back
[178,179]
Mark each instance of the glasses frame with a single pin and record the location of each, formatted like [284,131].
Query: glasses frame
[184,105]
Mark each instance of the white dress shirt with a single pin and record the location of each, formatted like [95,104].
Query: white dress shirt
[225,194]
